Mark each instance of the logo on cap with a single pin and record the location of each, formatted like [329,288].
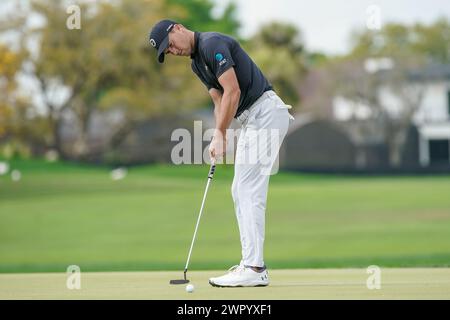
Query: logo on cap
[153,43]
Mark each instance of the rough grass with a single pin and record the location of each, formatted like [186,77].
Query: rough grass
[61,214]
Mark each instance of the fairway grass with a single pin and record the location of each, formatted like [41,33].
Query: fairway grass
[63,214]
[414,283]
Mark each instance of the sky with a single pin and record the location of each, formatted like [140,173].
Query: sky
[326,25]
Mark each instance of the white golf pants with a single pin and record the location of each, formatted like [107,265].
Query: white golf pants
[264,126]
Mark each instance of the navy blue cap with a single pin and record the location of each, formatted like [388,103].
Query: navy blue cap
[159,37]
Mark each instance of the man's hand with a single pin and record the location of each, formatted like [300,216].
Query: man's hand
[218,146]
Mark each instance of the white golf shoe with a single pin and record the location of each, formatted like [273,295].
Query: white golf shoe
[241,276]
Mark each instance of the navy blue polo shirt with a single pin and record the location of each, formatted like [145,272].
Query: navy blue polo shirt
[214,53]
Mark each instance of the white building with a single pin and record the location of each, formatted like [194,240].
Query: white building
[432,117]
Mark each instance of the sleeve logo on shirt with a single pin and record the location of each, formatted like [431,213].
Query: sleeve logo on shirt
[220,58]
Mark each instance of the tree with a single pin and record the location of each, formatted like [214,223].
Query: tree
[108,64]
[17,130]
[408,47]
[10,63]
[427,43]
[197,15]
[278,50]
[379,64]
[355,83]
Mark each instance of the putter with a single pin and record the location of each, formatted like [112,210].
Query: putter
[210,176]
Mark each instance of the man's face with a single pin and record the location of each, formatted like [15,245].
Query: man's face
[179,44]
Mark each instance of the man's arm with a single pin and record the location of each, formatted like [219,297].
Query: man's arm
[225,112]
[216,97]
[230,100]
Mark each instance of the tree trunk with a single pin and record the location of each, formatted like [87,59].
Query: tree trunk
[81,145]
[56,142]
[121,134]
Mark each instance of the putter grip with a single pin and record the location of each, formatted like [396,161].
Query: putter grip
[211,171]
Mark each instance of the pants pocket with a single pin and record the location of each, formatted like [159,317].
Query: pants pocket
[281,105]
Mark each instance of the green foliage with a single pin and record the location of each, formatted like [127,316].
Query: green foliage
[14,149]
[433,40]
[10,63]
[109,64]
[14,122]
[427,42]
[278,51]
[109,61]
[197,15]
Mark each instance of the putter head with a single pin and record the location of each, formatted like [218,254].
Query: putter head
[179,281]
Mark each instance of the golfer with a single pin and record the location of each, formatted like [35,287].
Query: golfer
[238,90]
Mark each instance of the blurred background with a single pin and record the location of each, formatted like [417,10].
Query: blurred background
[86,117]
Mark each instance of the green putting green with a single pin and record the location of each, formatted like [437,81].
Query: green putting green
[406,283]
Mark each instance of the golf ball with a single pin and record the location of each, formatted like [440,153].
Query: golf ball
[190,288]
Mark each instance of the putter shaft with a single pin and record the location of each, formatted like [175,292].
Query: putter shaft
[210,177]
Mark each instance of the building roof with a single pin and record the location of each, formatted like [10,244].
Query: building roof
[431,72]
